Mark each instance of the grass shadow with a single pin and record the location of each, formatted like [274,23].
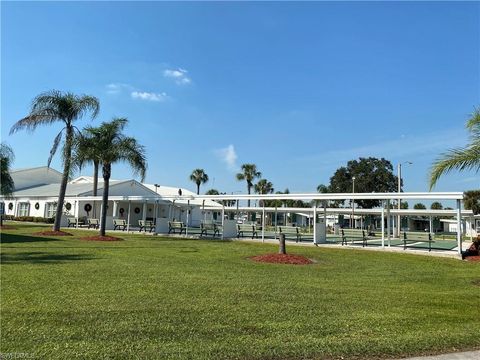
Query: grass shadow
[38,257]
[15,239]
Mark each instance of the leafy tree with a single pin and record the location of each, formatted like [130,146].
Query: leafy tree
[55,106]
[6,160]
[419,206]
[371,175]
[7,184]
[466,158]
[436,206]
[198,176]
[116,147]
[471,200]
[212,192]
[249,174]
[404,205]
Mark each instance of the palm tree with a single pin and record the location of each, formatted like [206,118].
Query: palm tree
[249,173]
[198,176]
[116,147]
[467,158]
[55,106]
[87,150]
[7,184]
[212,192]
[263,187]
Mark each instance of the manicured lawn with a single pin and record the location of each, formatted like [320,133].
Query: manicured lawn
[156,298]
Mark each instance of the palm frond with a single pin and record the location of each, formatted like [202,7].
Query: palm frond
[456,159]
[56,143]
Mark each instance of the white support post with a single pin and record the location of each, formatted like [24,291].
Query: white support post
[389,218]
[76,212]
[223,220]
[315,222]
[263,222]
[459,227]
[128,215]
[430,224]
[275,222]
[115,207]
[472,223]
[383,225]
[188,210]
[144,213]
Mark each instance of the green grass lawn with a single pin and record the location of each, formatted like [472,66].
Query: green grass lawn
[157,298]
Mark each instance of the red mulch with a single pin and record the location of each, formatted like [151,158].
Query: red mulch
[52,233]
[473,258]
[8,227]
[100,238]
[282,259]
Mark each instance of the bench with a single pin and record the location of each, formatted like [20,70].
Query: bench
[144,224]
[73,222]
[291,230]
[205,227]
[93,223]
[421,238]
[364,238]
[247,228]
[173,226]
[120,224]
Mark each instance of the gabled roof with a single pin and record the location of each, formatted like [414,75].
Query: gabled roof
[171,192]
[33,177]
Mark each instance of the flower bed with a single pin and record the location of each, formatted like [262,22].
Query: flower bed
[282,259]
[100,238]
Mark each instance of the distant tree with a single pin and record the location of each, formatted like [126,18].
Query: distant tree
[419,206]
[212,192]
[322,189]
[7,184]
[263,187]
[466,158]
[436,206]
[66,108]
[198,176]
[6,160]
[471,200]
[404,205]
[249,174]
[116,147]
[371,175]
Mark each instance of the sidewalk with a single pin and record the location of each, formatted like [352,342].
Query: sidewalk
[469,355]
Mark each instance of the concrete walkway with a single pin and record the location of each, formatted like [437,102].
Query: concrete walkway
[469,355]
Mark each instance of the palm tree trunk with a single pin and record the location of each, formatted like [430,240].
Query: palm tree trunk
[66,172]
[106,179]
[198,189]
[95,185]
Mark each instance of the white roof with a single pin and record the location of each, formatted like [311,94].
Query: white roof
[172,192]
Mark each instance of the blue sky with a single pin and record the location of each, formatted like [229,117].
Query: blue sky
[296,88]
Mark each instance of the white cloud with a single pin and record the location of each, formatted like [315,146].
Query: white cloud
[149,96]
[228,156]
[179,75]
[115,88]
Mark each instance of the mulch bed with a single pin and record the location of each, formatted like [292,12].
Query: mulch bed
[283,259]
[8,227]
[52,233]
[100,238]
[473,258]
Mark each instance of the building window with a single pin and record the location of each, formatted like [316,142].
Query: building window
[23,209]
[50,209]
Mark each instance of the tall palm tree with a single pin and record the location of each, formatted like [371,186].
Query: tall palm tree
[7,184]
[198,176]
[466,158]
[116,147]
[55,106]
[87,150]
[249,173]
[263,187]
